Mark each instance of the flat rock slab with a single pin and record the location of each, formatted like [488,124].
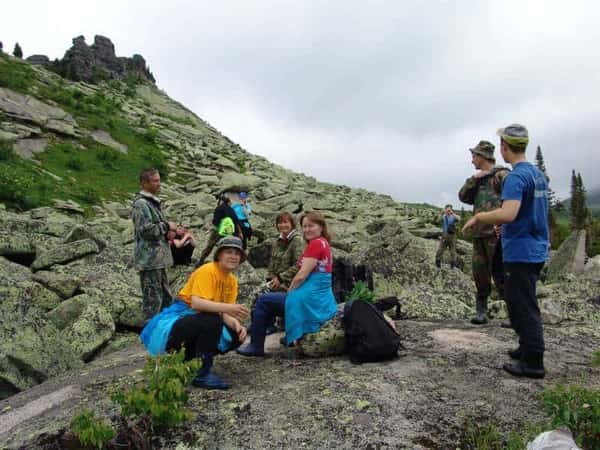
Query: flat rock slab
[465,340]
[62,254]
[27,148]
[105,138]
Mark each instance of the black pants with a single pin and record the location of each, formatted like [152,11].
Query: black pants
[523,308]
[198,333]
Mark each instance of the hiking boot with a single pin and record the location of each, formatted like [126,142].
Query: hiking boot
[481,316]
[210,381]
[515,353]
[250,350]
[506,324]
[529,366]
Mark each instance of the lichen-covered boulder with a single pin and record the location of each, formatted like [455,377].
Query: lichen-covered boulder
[31,349]
[64,253]
[328,341]
[92,329]
[69,311]
[568,259]
[63,284]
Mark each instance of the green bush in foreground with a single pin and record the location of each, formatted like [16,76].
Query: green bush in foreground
[578,409]
[162,397]
[91,431]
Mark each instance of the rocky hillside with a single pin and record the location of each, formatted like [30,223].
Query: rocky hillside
[70,154]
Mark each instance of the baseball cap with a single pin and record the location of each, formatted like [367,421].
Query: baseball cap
[515,135]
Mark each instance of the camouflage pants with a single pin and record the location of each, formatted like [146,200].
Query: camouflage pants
[212,240]
[156,293]
[447,241]
[485,265]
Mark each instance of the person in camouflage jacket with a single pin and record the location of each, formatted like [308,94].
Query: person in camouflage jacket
[285,253]
[483,191]
[152,253]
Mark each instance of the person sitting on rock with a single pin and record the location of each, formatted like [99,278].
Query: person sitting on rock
[225,223]
[243,210]
[285,254]
[204,317]
[182,245]
[309,301]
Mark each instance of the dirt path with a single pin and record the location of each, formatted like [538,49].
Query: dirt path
[450,374]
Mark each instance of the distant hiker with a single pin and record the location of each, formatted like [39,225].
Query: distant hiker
[152,253]
[182,245]
[205,318]
[448,239]
[225,223]
[483,191]
[309,301]
[243,210]
[525,244]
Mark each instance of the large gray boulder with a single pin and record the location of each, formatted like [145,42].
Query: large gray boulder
[64,253]
[569,259]
[92,329]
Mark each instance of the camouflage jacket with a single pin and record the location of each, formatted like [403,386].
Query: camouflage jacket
[484,194]
[284,258]
[152,250]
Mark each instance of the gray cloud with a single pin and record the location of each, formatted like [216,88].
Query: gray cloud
[382,95]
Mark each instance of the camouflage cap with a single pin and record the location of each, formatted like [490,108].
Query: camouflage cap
[485,149]
[515,135]
[230,242]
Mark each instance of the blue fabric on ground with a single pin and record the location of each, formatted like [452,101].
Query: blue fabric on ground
[309,306]
[225,341]
[155,334]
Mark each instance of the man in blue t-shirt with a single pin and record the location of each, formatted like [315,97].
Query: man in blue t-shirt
[448,238]
[525,243]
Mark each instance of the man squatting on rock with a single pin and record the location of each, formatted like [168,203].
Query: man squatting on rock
[524,215]
[483,191]
[152,252]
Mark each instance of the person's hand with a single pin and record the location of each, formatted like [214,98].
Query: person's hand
[275,283]
[240,312]
[470,223]
[498,230]
[242,333]
[481,173]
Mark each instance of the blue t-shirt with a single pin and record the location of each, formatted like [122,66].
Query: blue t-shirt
[446,221]
[525,239]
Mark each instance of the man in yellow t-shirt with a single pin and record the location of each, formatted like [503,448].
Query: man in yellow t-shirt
[205,318]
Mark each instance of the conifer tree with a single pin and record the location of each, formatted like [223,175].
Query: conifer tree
[18,52]
[583,209]
[539,162]
[574,200]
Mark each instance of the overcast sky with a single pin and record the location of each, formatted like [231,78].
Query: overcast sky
[383,95]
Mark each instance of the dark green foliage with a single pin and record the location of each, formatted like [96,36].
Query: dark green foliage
[360,291]
[486,436]
[91,431]
[579,210]
[18,51]
[596,359]
[578,409]
[162,397]
[15,75]
[6,152]
[75,163]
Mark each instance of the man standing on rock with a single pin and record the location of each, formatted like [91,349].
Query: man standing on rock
[483,191]
[525,243]
[448,239]
[152,251]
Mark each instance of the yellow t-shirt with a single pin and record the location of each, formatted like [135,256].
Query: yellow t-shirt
[209,283]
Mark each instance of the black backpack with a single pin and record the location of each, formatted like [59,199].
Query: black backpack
[369,337]
[345,275]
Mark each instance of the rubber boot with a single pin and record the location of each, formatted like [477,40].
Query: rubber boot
[205,378]
[516,353]
[481,306]
[531,365]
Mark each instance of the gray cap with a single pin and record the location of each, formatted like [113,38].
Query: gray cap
[230,242]
[515,135]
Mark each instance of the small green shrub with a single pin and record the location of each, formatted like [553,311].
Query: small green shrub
[108,157]
[91,431]
[6,152]
[360,291]
[75,163]
[162,396]
[486,436]
[150,135]
[578,409]
[596,359]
